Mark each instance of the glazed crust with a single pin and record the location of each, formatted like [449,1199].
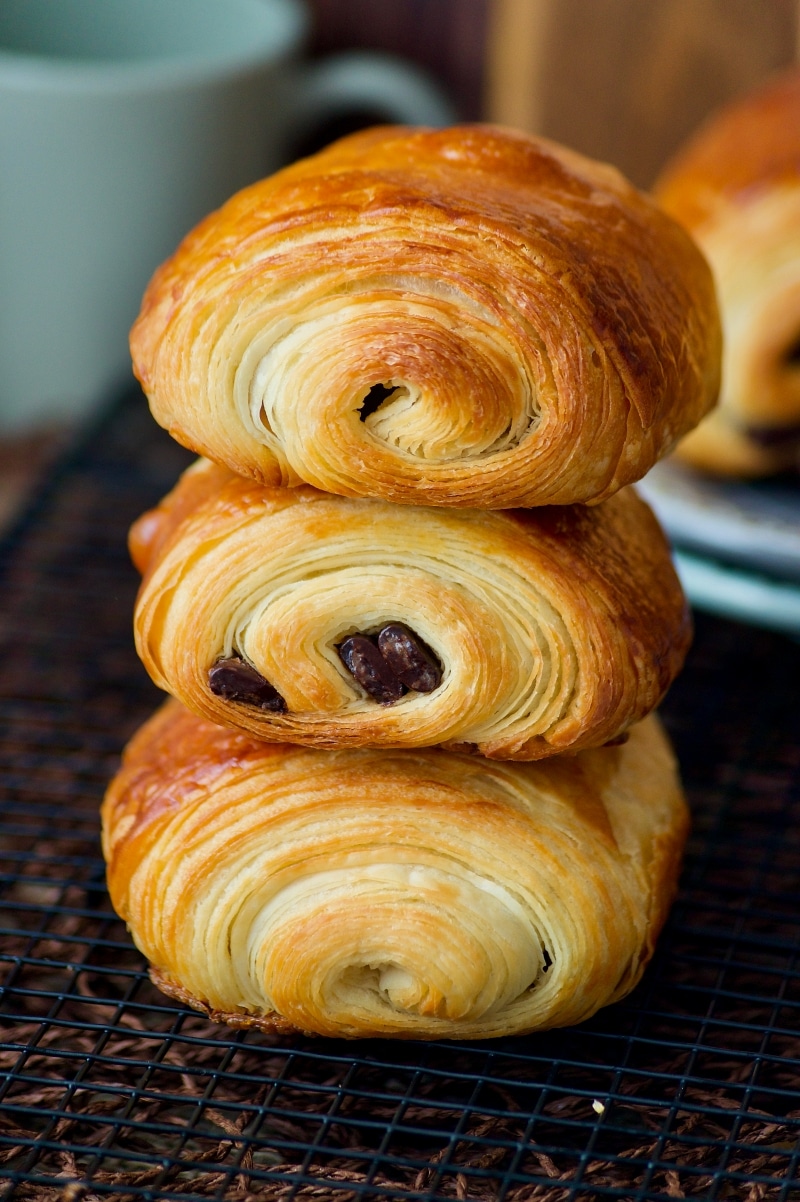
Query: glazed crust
[542,332]
[736,187]
[409,894]
[556,628]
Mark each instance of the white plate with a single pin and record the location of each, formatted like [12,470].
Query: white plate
[737,543]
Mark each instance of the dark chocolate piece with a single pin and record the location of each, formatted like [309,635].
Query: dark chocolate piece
[374,399]
[775,437]
[410,659]
[792,357]
[364,661]
[235,680]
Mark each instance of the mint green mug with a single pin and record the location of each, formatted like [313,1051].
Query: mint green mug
[123,122]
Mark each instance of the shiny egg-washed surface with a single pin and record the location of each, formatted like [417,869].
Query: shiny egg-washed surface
[462,317]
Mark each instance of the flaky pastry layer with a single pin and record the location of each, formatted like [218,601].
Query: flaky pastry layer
[410,894]
[736,188]
[554,628]
[461,317]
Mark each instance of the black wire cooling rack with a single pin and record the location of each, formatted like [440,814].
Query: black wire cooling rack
[689,1088]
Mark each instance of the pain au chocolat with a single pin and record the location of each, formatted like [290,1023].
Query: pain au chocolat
[424,894]
[462,317]
[736,187]
[299,616]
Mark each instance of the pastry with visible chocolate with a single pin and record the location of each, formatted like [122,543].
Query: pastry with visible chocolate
[299,616]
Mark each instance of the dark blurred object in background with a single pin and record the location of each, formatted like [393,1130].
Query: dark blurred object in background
[446,37]
[622,80]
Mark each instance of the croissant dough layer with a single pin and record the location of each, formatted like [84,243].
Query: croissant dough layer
[736,187]
[419,894]
[464,317]
[555,628]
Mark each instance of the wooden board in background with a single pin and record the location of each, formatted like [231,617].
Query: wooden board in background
[627,80]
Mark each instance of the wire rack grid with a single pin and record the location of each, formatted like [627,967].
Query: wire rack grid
[687,1089]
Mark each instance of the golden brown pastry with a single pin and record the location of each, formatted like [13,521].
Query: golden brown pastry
[736,187]
[421,894]
[460,317]
[304,617]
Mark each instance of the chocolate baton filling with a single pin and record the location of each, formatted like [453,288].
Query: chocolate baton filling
[388,665]
[234,679]
[791,358]
[365,663]
[775,437]
[374,399]
[780,436]
[411,660]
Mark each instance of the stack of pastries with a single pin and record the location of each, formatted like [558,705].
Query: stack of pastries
[412,617]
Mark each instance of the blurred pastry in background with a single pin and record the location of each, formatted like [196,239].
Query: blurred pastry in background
[736,187]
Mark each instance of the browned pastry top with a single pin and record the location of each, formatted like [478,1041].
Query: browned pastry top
[549,330]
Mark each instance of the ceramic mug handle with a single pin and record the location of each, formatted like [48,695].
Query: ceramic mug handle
[359,82]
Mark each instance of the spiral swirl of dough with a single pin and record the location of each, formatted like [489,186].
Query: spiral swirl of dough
[554,628]
[467,317]
[420,894]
